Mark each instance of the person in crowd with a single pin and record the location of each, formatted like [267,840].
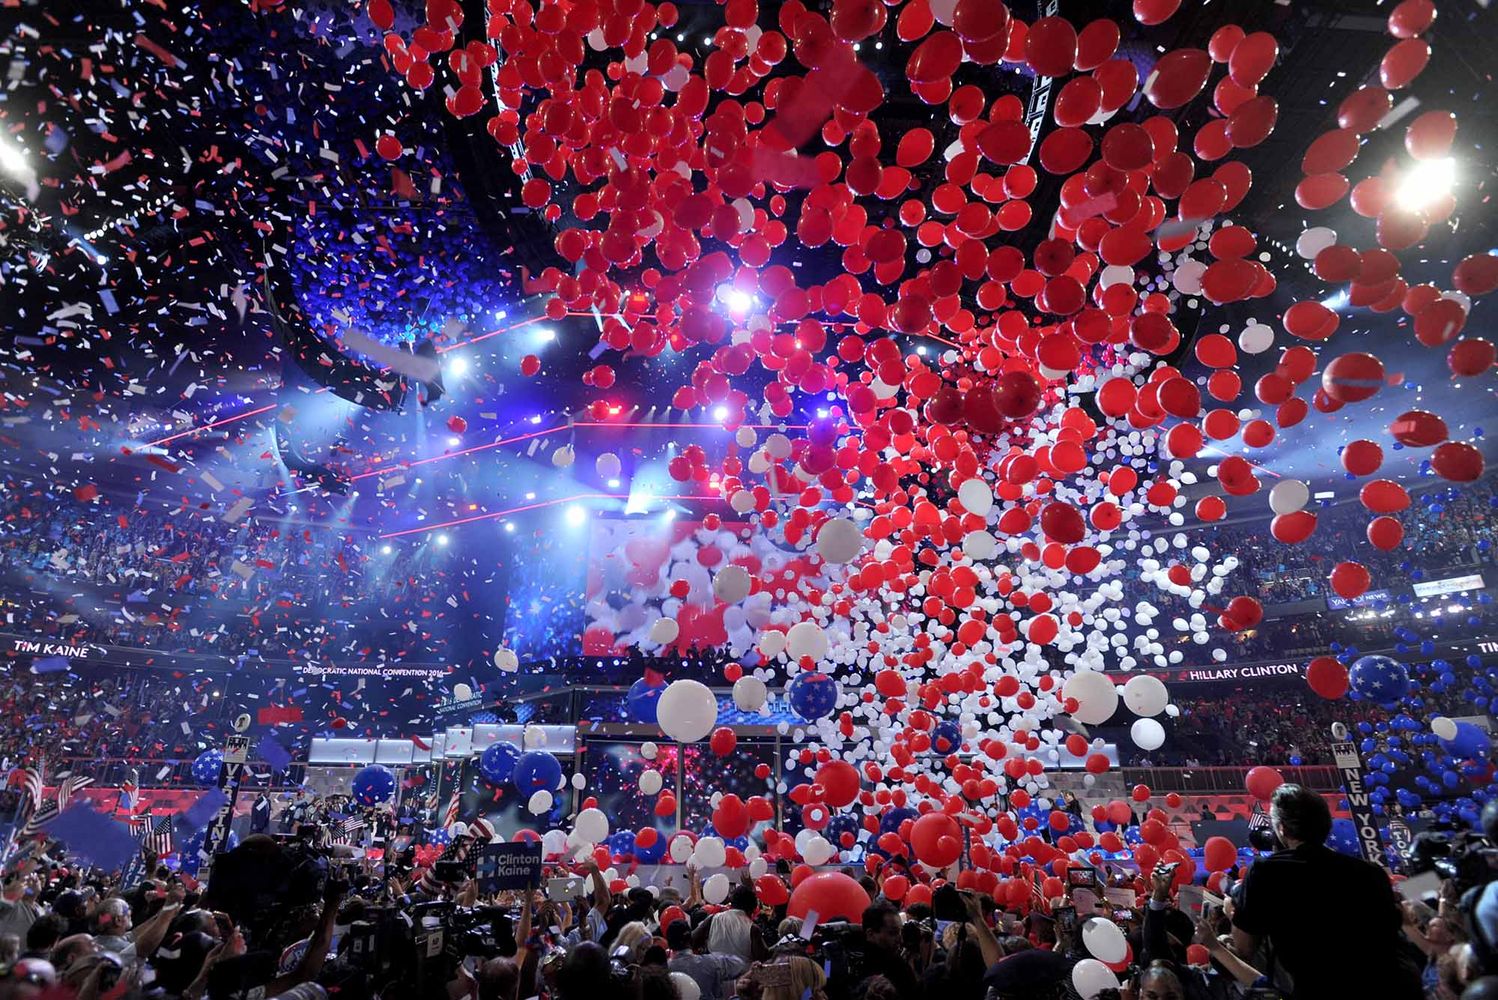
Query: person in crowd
[713,973]
[884,956]
[1285,902]
[734,932]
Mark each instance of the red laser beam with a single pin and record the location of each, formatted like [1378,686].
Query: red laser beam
[210,426]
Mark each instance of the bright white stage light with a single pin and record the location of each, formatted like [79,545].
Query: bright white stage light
[1426,183]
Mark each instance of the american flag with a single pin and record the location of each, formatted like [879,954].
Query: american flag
[451,816]
[159,840]
[36,823]
[128,789]
[348,830]
[31,782]
[72,783]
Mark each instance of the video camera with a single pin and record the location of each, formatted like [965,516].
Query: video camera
[1466,858]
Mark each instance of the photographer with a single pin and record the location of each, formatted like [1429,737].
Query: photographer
[1167,932]
[883,956]
[1331,921]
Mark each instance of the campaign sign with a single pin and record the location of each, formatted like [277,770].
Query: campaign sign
[508,866]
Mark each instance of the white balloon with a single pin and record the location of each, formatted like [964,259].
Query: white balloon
[745,437]
[1256,338]
[750,693]
[1145,695]
[771,643]
[975,496]
[818,850]
[732,584]
[742,501]
[1097,698]
[1315,240]
[1090,977]
[608,465]
[651,782]
[553,842]
[242,722]
[539,802]
[648,750]
[506,660]
[563,456]
[664,630]
[462,692]
[579,781]
[676,77]
[839,541]
[806,639]
[686,986]
[1288,496]
[1443,727]
[592,826]
[710,853]
[1116,274]
[1147,734]
[687,711]
[1104,941]
[979,545]
[1188,277]
[943,10]
[681,849]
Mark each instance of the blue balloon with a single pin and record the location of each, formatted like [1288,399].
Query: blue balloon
[840,824]
[621,843]
[1470,741]
[653,854]
[640,702]
[205,769]
[947,738]
[497,762]
[373,784]
[890,819]
[1380,679]
[536,771]
[812,694]
[1344,837]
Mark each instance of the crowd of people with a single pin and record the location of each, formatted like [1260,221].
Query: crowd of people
[288,916]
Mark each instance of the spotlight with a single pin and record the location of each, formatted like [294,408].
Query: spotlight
[453,442]
[441,539]
[613,484]
[670,514]
[548,335]
[385,550]
[736,299]
[458,366]
[12,160]
[501,314]
[576,516]
[509,525]
[536,419]
[720,413]
[1426,183]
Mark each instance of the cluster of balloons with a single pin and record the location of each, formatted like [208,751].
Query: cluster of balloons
[1008,472]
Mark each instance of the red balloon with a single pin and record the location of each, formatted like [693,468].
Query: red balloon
[839,781]
[1261,782]
[1364,108]
[1320,191]
[1384,496]
[1351,378]
[1051,47]
[1411,18]
[1252,58]
[1219,854]
[1327,677]
[1471,356]
[1349,579]
[1362,457]
[1178,77]
[1457,461]
[1310,320]
[1476,275]
[936,839]
[1096,44]
[1293,528]
[1155,11]
[1418,429]
[895,887]
[723,741]
[1402,63]
[1429,137]
[935,59]
[1385,533]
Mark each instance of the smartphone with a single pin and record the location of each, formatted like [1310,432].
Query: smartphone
[562,890]
[1066,922]
[1081,878]
[947,904]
